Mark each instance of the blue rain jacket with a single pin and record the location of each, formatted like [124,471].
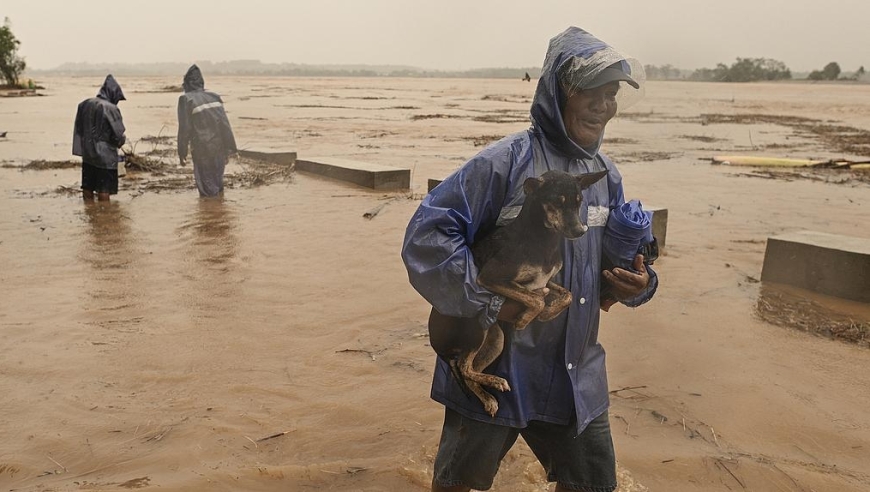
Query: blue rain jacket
[556,368]
[98,132]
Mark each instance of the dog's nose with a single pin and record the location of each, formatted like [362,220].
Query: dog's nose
[578,232]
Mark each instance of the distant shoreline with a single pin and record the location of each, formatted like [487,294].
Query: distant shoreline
[259,69]
[35,74]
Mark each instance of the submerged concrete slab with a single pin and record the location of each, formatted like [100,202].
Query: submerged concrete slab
[829,264]
[374,176]
[286,158]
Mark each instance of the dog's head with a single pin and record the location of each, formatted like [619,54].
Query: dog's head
[559,196]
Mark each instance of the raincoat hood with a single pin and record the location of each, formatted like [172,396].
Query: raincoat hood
[587,56]
[111,91]
[193,80]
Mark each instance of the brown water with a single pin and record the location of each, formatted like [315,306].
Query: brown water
[160,340]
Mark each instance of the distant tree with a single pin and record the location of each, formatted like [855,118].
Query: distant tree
[718,74]
[663,72]
[830,72]
[11,65]
[744,70]
[755,69]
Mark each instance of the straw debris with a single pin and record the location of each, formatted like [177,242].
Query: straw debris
[781,309]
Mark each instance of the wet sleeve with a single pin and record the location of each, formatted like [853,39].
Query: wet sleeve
[617,198]
[116,126]
[228,138]
[77,133]
[436,249]
[183,127]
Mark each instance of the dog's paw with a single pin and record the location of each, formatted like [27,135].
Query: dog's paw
[496,383]
[501,384]
[491,407]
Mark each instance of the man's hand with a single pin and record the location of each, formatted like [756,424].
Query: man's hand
[181,161]
[626,284]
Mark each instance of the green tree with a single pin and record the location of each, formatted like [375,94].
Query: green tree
[744,70]
[11,65]
[754,69]
[830,72]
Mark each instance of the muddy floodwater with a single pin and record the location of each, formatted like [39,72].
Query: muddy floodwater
[270,341]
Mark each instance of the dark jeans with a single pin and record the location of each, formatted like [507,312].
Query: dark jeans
[471,451]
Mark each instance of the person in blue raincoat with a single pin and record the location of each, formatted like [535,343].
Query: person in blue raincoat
[98,133]
[559,397]
[204,126]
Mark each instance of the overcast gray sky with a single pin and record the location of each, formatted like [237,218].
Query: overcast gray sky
[440,34]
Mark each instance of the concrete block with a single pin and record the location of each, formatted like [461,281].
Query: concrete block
[374,176]
[659,224]
[829,264]
[287,158]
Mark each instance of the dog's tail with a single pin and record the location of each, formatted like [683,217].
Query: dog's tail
[459,378]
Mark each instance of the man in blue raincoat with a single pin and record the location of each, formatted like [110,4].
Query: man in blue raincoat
[97,135]
[203,124]
[559,398]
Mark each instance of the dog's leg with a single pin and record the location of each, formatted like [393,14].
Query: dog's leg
[470,365]
[490,404]
[473,381]
[469,373]
[557,300]
[534,302]
[489,351]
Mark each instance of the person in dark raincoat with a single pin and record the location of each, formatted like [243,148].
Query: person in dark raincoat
[204,127]
[98,134]
[558,399]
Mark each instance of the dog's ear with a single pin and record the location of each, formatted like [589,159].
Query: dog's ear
[530,185]
[586,180]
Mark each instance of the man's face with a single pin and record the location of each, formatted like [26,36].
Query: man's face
[587,112]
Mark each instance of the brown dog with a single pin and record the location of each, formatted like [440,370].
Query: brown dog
[516,261]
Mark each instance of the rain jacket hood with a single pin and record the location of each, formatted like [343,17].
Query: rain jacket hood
[573,43]
[193,80]
[111,91]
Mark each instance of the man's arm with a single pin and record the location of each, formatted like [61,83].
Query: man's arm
[116,126]
[229,140]
[77,133]
[436,246]
[183,129]
[631,289]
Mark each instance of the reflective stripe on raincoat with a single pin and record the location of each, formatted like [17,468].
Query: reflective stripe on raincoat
[555,368]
